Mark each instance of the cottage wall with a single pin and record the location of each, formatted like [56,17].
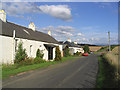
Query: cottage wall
[31,46]
[75,49]
[6,52]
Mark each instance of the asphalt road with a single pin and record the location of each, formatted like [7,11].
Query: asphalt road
[78,73]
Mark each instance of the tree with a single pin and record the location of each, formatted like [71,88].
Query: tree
[57,54]
[86,49]
[39,54]
[66,51]
[77,53]
[20,54]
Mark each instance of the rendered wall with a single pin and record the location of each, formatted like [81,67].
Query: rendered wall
[8,45]
[7,49]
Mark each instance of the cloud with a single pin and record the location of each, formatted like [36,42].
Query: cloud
[17,9]
[59,32]
[59,11]
[20,8]
[60,0]
[82,40]
[66,28]
[80,34]
[93,39]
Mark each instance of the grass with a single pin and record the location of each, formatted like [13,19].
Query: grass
[113,57]
[106,77]
[102,49]
[8,70]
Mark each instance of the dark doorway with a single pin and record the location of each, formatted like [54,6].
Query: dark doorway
[50,47]
[50,53]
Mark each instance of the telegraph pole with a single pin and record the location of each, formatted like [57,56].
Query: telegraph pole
[109,40]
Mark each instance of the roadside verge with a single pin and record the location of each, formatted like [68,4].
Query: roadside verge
[11,70]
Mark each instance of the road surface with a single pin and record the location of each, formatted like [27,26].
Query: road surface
[80,72]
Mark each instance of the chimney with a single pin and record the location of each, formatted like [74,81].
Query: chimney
[75,42]
[32,26]
[3,15]
[69,40]
[49,32]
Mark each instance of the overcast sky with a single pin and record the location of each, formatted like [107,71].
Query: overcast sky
[84,22]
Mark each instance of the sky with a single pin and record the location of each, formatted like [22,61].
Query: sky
[84,22]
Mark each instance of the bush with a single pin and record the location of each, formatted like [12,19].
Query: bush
[66,52]
[77,53]
[86,49]
[38,60]
[20,54]
[57,54]
[39,54]
[27,61]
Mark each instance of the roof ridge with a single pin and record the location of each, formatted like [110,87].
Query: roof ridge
[18,25]
[26,27]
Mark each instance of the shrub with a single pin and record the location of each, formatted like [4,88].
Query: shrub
[20,54]
[39,54]
[38,60]
[77,53]
[57,54]
[66,52]
[27,61]
[86,49]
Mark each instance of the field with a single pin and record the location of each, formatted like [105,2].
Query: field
[95,48]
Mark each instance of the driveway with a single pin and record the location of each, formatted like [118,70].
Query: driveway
[80,72]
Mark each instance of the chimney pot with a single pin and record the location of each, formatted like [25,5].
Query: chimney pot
[75,42]
[3,15]
[49,32]
[32,26]
[69,40]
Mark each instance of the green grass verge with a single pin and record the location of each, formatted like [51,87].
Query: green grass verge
[106,75]
[8,70]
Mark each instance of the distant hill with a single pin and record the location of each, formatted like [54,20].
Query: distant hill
[61,42]
[88,44]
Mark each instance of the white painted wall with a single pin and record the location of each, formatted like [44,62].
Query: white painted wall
[8,43]
[71,50]
[7,49]
[54,53]
[79,50]
[75,49]
[60,46]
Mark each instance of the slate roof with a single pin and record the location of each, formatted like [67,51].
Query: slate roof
[71,44]
[24,32]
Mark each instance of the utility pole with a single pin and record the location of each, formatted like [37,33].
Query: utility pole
[109,40]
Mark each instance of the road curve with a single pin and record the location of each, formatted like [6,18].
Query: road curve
[77,73]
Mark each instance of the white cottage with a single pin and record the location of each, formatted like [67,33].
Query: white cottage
[11,34]
[74,47]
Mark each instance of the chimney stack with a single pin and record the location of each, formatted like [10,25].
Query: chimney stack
[75,42]
[3,15]
[69,40]
[49,32]
[32,26]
